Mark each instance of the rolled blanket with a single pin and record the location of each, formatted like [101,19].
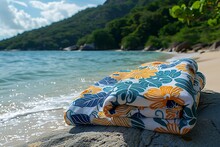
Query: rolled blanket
[157,96]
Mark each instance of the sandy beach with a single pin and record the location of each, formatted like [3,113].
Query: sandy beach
[209,108]
[209,65]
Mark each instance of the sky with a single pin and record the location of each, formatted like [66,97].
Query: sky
[17,16]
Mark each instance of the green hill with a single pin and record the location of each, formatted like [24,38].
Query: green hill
[67,32]
[127,24]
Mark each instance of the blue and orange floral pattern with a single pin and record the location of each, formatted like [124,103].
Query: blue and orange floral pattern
[158,96]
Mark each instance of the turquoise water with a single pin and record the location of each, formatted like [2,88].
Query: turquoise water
[37,86]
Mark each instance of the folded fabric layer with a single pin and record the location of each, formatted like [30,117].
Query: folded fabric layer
[157,96]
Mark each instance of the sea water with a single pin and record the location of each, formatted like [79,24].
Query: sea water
[37,86]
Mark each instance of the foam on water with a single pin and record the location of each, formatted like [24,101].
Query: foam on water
[37,118]
[46,104]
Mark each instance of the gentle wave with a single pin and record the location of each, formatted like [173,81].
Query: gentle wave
[8,116]
[47,104]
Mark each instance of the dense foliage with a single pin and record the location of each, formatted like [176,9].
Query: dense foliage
[155,25]
[197,11]
[127,24]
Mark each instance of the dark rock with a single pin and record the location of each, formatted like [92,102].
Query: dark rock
[184,50]
[71,48]
[173,46]
[182,47]
[199,46]
[162,49]
[87,47]
[170,50]
[215,46]
[166,50]
[202,52]
[150,48]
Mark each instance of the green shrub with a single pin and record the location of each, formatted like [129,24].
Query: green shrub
[130,42]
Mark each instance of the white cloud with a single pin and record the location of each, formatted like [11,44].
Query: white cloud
[14,20]
[25,20]
[54,11]
[7,16]
[19,3]
[6,32]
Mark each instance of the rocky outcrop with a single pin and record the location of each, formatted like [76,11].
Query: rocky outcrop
[150,48]
[87,47]
[199,46]
[71,48]
[205,133]
[182,47]
[215,46]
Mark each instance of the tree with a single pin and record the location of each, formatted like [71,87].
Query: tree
[200,10]
[115,28]
[154,41]
[103,39]
[170,29]
[85,40]
[130,42]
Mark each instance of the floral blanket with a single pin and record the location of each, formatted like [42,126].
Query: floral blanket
[157,96]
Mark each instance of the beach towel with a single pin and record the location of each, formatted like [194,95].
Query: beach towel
[158,96]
